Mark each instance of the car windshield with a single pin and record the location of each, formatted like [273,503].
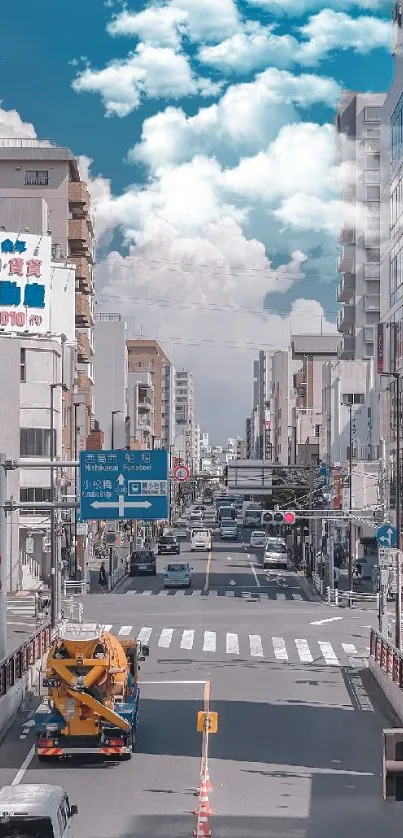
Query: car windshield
[276,547]
[258,534]
[27,827]
[202,533]
[177,568]
[167,539]
[142,557]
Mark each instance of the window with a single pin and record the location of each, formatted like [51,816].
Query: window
[372,114]
[397,129]
[35,442]
[39,177]
[372,176]
[373,193]
[353,398]
[373,254]
[372,145]
[23,369]
[36,494]
[372,162]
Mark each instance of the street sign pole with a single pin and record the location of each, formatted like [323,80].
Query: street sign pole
[383,602]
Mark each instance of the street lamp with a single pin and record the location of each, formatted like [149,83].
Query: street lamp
[396,376]
[350,499]
[113,413]
[54,568]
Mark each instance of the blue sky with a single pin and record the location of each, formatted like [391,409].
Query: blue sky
[213,175]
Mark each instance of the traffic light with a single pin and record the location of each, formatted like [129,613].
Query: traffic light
[277,516]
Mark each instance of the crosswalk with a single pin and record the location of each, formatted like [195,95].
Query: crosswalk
[273,595]
[21,610]
[236,645]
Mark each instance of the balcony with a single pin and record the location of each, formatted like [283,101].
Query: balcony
[346,288]
[83,275]
[345,318]
[347,235]
[84,317]
[372,302]
[78,193]
[346,347]
[84,383]
[84,349]
[346,264]
[80,239]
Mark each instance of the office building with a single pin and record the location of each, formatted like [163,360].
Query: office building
[185,417]
[111,378]
[311,351]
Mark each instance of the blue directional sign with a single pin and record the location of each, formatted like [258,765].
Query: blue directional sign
[386,536]
[124,484]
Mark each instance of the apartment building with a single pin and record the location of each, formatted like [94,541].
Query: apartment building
[140,406]
[358,125]
[262,395]
[40,186]
[147,356]
[311,351]
[282,404]
[111,378]
[185,417]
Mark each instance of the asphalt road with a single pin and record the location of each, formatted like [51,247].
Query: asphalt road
[297,753]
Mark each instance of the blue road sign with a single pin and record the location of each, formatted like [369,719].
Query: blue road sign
[386,536]
[124,484]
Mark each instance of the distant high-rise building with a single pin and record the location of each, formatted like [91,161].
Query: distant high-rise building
[185,417]
[110,368]
[147,356]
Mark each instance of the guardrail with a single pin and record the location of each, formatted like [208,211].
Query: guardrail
[388,658]
[117,576]
[317,582]
[74,586]
[14,666]
[350,597]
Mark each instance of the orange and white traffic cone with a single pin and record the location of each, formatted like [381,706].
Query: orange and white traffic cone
[203,806]
[207,780]
[202,829]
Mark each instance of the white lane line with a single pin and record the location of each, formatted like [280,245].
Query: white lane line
[296,596]
[328,620]
[144,634]
[349,648]
[28,759]
[188,637]
[147,593]
[280,596]
[165,638]
[328,653]
[131,593]
[125,630]
[232,644]
[256,648]
[107,627]
[304,651]
[253,569]
[279,648]
[248,556]
[209,644]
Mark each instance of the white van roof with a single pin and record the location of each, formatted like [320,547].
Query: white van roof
[30,798]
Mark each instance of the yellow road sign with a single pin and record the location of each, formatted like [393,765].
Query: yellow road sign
[207,722]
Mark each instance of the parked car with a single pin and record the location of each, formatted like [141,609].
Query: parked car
[258,538]
[276,554]
[168,544]
[143,561]
[229,529]
[178,575]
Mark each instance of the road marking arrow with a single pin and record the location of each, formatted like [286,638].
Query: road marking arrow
[329,620]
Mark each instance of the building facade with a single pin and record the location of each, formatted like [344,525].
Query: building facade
[148,356]
[185,417]
[110,371]
[358,125]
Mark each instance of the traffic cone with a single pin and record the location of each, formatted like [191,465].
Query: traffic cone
[203,806]
[202,829]
[207,780]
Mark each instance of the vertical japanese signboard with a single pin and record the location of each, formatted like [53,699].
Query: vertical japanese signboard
[380,347]
[25,283]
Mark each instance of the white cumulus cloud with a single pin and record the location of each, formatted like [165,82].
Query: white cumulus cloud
[331,30]
[297,8]
[12,126]
[252,48]
[155,72]
[158,25]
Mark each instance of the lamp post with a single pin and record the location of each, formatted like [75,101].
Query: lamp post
[350,497]
[54,566]
[396,376]
[113,414]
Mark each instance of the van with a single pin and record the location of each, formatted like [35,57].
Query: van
[200,540]
[36,810]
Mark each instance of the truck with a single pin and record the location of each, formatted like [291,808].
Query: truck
[226,511]
[93,694]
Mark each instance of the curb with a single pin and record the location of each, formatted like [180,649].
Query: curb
[308,588]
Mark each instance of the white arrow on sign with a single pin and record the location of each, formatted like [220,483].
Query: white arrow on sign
[330,620]
[121,480]
[387,539]
[232,582]
[121,505]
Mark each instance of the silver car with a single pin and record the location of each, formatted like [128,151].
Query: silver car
[276,554]
[229,529]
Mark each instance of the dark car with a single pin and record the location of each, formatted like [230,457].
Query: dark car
[143,561]
[168,544]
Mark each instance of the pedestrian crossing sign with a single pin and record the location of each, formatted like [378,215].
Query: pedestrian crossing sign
[207,722]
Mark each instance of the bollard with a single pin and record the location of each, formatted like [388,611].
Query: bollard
[336,597]
[328,594]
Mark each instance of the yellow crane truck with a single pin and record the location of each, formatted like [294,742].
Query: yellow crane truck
[92,705]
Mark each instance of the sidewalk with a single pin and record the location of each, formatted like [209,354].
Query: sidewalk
[364,586]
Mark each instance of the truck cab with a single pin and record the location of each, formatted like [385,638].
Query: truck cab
[34,810]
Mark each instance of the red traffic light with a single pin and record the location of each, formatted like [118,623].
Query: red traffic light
[289,517]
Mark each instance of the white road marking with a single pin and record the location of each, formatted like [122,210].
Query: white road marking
[229,593]
[107,627]
[296,596]
[144,634]
[280,596]
[165,638]
[279,648]
[328,620]
[328,653]
[209,644]
[187,639]
[253,569]
[256,648]
[172,682]
[28,759]
[232,644]
[125,630]
[147,593]
[349,648]
[248,556]
[304,651]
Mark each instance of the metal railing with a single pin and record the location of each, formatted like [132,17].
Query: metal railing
[388,658]
[317,582]
[14,666]
[349,597]
[117,576]
[77,587]
[72,610]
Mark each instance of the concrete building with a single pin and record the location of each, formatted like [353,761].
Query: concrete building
[110,370]
[358,125]
[168,407]
[306,422]
[282,404]
[262,395]
[41,192]
[197,446]
[148,356]
[185,417]
[141,410]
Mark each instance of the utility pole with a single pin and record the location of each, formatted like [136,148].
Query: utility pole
[398,629]
[3,559]
[350,503]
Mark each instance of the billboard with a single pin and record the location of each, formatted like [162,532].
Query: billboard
[380,347]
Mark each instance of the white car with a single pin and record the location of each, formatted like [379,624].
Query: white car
[276,554]
[258,539]
[200,540]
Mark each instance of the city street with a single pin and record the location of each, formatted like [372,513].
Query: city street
[298,746]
